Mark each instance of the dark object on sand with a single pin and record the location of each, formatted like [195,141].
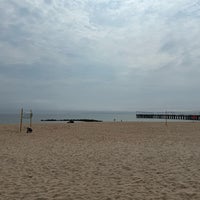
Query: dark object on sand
[29,130]
[70,121]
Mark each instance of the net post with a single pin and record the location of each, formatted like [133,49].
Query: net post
[21,116]
[31,115]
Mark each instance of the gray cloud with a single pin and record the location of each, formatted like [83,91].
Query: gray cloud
[100,54]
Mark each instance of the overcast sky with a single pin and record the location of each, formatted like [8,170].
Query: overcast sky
[100,54]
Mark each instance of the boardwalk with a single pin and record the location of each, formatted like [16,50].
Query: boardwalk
[169,115]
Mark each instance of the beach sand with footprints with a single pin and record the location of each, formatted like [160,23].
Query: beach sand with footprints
[101,161]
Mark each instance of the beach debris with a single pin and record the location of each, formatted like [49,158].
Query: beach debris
[70,121]
[29,130]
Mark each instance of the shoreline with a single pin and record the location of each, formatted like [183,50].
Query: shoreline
[102,122]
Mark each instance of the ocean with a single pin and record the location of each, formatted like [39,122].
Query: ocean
[14,118]
[105,116]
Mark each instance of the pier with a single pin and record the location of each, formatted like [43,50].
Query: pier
[168,115]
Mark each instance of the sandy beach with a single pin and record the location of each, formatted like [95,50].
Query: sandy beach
[101,161]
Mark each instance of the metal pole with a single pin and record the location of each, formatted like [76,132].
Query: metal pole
[21,116]
[31,115]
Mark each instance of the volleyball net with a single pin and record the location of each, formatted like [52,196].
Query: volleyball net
[25,115]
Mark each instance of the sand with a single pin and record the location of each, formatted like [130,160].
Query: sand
[105,161]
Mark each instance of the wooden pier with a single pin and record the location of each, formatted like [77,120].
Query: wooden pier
[168,115]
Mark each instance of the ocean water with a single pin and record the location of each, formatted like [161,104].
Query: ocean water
[9,118]
[14,118]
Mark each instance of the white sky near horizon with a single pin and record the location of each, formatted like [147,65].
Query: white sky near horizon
[100,54]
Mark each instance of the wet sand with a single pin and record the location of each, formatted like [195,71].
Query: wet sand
[104,161]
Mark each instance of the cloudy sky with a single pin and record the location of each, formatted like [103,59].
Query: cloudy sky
[100,54]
